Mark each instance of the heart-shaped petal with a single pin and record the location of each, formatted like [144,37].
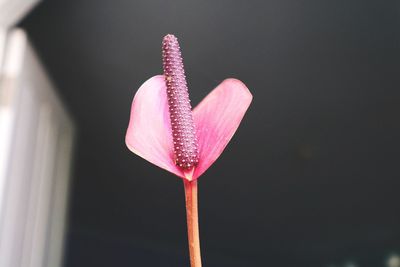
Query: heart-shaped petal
[149,131]
[217,118]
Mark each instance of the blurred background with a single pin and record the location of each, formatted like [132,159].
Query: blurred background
[311,178]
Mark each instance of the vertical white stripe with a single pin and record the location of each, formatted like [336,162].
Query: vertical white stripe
[34,172]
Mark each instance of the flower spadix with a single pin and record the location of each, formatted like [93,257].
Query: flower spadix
[164,129]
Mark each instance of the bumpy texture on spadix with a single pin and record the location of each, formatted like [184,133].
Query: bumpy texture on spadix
[216,119]
[180,110]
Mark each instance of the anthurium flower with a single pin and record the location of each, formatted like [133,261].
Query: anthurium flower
[165,131]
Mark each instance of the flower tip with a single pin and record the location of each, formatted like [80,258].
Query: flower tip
[233,82]
[169,37]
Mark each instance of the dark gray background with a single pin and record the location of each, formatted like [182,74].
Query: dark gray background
[311,178]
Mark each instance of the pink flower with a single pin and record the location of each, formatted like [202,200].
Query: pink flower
[165,131]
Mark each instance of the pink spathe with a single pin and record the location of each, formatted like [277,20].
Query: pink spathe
[216,119]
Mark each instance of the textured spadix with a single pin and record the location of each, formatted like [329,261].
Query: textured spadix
[215,119]
[180,111]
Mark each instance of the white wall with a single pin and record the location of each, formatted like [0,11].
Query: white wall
[36,136]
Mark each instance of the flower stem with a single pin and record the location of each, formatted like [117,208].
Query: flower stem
[192,222]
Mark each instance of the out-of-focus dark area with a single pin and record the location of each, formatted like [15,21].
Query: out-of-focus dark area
[312,176]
